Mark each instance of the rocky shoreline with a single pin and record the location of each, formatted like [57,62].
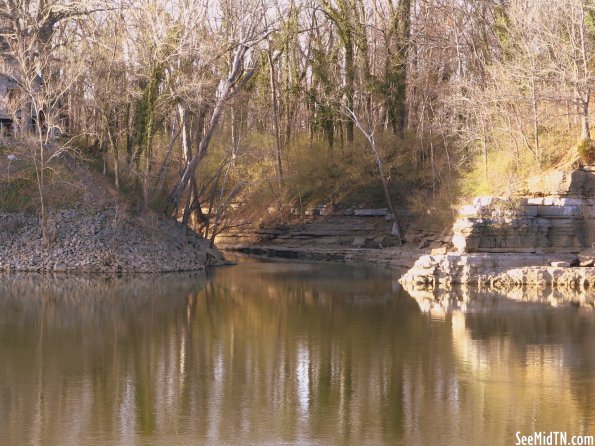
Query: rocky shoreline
[504,270]
[543,237]
[343,236]
[104,241]
[527,240]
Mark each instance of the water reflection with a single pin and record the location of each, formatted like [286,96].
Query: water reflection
[469,298]
[526,353]
[284,353]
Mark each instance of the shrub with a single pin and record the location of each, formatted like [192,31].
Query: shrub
[586,151]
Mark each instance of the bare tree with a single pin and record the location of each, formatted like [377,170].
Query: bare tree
[368,126]
[37,37]
[243,64]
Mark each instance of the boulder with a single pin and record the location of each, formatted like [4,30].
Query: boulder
[586,254]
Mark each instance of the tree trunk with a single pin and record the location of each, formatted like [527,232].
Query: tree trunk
[396,230]
[40,173]
[275,120]
[484,144]
[403,50]
[585,128]
[129,139]
[534,109]
[235,134]
[396,69]
[349,81]
[184,129]
[238,76]
[114,146]
[229,86]
[162,175]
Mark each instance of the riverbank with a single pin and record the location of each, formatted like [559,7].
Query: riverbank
[95,241]
[499,269]
[92,228]
[345,236]
[399,258]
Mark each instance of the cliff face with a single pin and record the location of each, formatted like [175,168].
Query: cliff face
[557,215]
[532,238]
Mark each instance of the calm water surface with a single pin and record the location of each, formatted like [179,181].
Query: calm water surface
[285,353]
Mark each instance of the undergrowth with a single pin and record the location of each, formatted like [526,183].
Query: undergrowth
[430,178]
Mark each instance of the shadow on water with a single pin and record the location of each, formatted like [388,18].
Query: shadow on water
[284,353]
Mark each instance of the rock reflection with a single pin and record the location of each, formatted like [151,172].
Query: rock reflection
[469,298]
[283,353]
[525,353]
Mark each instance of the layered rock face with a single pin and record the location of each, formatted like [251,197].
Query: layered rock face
[528,239]
[558,216]
[343,235]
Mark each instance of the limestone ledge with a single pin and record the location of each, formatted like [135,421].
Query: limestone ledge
[495,269]
[517,240]
[555,211]
[493,224]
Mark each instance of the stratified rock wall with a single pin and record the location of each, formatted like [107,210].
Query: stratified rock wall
[550,224]
[497,268]
[521,240]
[558,216]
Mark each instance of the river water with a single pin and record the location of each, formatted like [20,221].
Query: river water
[285,353]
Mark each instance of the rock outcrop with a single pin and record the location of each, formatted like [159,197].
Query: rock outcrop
[340,235]
[370,229]
[508,269]
[525,224]
[102,241]
[527,239]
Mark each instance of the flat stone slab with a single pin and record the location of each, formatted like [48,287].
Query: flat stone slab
[370,212]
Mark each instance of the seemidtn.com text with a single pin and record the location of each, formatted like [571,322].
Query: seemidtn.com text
[554,439]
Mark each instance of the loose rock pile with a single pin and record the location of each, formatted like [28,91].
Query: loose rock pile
[102,241]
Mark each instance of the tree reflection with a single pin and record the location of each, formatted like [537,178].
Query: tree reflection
[282,353]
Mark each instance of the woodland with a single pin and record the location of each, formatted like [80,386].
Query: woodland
[197,107]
